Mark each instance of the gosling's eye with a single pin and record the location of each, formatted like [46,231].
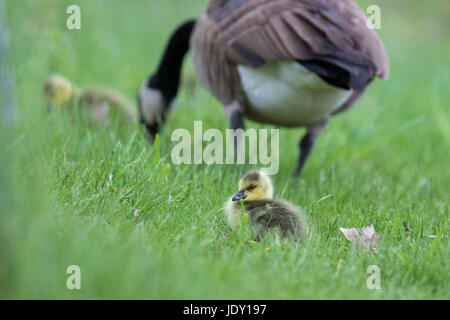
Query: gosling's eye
[251,187]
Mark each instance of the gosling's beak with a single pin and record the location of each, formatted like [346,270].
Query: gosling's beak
[240,195]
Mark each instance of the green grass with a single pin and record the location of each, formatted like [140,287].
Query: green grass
[385,162]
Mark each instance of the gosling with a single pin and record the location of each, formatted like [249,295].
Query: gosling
[256,191]
[60,91]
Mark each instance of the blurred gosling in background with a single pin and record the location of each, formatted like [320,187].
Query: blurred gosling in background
[60,91]
[256,191]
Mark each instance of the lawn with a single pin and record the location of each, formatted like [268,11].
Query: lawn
[70,190]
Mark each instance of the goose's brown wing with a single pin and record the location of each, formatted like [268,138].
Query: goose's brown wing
[329,37]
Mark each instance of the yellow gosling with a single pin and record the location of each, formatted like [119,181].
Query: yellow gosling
[61,92]
[256,191]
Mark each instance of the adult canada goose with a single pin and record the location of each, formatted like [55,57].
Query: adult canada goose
[59,91]
[292,63]
[255,189]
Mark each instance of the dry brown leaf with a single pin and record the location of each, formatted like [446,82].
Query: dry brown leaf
[366,238]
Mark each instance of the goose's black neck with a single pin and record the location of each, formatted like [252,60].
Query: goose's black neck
[167,77]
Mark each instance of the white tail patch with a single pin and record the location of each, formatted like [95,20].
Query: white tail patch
[289,93]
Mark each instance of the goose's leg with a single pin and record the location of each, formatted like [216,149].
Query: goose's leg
[237,124]
[236,121]
[307,144]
